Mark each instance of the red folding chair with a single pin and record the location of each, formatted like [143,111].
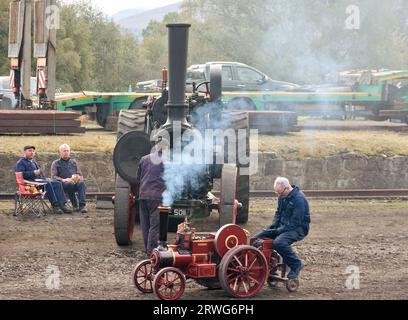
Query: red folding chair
[30,198]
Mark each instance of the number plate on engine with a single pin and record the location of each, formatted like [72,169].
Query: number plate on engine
[180,212]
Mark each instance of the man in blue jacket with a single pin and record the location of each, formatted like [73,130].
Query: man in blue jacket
[31,170]
[290,224]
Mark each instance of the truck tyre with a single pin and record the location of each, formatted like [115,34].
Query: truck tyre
[131,120]
[102,113]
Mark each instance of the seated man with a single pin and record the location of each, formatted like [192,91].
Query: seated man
[290,224]
[67,171]
[31,170]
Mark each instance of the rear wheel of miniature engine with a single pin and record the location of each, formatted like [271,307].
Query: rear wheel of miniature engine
[131,120]
[292,285]
[243,271]
[125,211]
[228,204]
[211,284]
[169,284]
[142,276]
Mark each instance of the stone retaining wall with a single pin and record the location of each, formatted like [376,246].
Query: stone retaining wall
[345,171]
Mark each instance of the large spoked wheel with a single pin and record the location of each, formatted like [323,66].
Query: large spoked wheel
[228,198]
[169,284]
[142,276]
[243,271]
[124,212]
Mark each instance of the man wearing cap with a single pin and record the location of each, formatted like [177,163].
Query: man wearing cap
[31,170]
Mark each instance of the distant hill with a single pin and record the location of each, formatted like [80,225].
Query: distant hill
[136,20]
[126,14]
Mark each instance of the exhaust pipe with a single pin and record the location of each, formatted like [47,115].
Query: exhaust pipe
[178,49]
[164,221]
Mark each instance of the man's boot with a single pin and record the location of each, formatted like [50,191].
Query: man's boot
[56,208]
[65,209]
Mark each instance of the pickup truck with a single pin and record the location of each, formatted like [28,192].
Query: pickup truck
[238,77]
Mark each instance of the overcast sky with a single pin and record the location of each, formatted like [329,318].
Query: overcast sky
[111,7]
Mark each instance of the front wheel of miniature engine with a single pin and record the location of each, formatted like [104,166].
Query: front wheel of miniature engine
[142,276]
[169,284]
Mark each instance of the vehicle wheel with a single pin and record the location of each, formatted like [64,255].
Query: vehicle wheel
[241,103]
[228,203]
[292,285]
[212,284]
[125,211]
[102,113]
[6,103]
[169,284]
[243,271]
[131,120]
[142,276]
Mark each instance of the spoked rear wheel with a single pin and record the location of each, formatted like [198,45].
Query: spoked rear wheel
[243,271]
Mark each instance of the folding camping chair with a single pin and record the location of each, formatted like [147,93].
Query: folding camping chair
[30,198]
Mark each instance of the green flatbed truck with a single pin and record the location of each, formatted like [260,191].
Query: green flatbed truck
[374,94]
[103,107]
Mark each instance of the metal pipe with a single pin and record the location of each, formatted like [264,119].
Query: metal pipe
[164,221]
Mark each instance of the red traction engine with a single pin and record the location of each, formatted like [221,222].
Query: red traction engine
[214,260]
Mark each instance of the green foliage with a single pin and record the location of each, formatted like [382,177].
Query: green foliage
[295,40]
[4,18]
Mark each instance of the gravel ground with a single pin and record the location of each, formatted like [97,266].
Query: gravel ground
[81,251]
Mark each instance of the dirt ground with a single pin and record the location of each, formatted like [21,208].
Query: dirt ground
[345,235]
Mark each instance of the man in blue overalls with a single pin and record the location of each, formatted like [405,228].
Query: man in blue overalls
[290,224]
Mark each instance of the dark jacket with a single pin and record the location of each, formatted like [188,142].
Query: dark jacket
[64,169]
[292,213]
[28,167]
[150,179]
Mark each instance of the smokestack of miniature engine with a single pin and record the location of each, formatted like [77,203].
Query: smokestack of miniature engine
[164,221]
[178,48]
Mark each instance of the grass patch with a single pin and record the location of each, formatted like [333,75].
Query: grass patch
[92,141]
[293,146]
[317,144]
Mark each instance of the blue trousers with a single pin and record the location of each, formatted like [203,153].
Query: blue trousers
[55,193]
[282,244]
[71,189]
[150,223]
